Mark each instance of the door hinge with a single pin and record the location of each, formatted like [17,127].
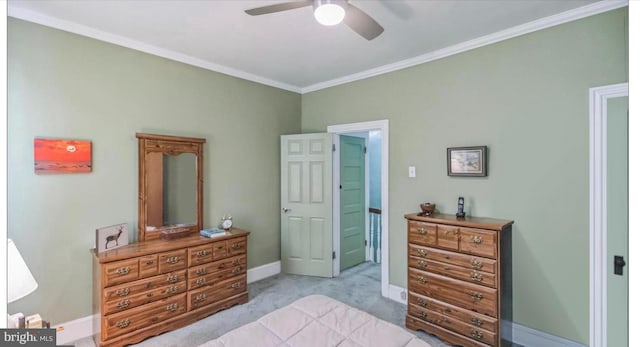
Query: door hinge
[365,149]
[333,147]
[365,243]
[334,255]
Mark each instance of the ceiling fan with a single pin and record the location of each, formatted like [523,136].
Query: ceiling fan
[330,12]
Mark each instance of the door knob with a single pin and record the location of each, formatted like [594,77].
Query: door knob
[618,264]
[285,210]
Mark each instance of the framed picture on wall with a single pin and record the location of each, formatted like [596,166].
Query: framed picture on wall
[111,237]
[467,161]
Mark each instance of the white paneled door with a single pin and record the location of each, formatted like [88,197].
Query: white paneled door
[306,204]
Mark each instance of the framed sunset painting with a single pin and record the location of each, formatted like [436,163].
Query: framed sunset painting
[52,156]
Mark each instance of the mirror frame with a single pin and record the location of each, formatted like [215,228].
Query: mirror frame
[170,145]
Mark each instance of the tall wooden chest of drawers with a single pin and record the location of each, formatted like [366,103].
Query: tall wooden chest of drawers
[459,278]
[150,287]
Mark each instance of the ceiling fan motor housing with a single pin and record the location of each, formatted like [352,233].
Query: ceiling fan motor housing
[329,12]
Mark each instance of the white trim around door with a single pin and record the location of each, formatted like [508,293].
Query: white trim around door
[383,126]
[598,209]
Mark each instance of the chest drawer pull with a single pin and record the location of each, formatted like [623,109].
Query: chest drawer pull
[476,296]
[123,270]
[172,260]
[201,271]
[422,252]
[123,304]
[200,297]
[476,264]
[236,270]
[477,321]
[122,292]
[236,285]
[476,276]
[422,231]
[422,263]
[201,254]
[236,246]
[149,262]
[422,303]
[422,280]
[172,278]
[422,315]
[172,289]
[476,334]
[236,262]
[476,239]
[122,323]
[172,307]
[201,281]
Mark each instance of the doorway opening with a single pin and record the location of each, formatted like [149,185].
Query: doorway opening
[378,236]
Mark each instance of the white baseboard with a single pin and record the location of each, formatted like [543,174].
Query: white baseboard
[263,271]
[529,337]
[83,327]
[398,294]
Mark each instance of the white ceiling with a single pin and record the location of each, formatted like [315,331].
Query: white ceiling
[290,50]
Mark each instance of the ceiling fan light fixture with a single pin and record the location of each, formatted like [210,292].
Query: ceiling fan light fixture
[329,12]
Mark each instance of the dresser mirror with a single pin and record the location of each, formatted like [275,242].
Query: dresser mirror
[170,186]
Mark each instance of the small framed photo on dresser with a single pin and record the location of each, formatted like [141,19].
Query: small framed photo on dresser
[111,237]
[467,161]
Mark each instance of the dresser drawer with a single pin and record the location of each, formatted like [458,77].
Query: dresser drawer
[448,237]
[478,242]
[454,271]
[172,261]
[120,271]
[143,316]
[422,233]
[135,300]
[126,291]
[200,255]
[480,320]
[467,295]
[237,246]
[216,292]
[214,272]
[453,324]
[148,265]
[219,250]
[464,260]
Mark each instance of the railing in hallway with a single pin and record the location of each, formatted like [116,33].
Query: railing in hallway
[375,229]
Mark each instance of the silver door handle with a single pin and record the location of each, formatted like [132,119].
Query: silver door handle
[285,210]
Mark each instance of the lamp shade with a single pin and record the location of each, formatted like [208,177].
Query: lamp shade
[20,281]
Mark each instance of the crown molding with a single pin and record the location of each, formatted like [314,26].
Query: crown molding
[557,19]
[543,23]
[83,30]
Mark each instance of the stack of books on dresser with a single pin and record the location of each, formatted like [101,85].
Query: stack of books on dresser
[212,232]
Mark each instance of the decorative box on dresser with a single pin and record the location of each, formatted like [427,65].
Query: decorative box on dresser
[150,287]
[459,278]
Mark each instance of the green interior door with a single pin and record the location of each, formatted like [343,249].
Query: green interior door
[352,204]
[306,204]
[617,221]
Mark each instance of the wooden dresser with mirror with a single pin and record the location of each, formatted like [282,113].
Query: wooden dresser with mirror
[159,284]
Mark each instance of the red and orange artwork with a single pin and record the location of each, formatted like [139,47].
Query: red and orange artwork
[61,156]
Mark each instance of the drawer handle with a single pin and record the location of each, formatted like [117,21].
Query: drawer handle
[236,270]
[172,307]
[476,264]
[201,271]
[123,304]
[422,280]
[236,246]
[172,289]
[172,278]
[447,310]
[172,260]
[201,254]
[236,262]
[122,323]
[476,239]
[123,270]
[476,296]
[122,292]
[421,302]
[422,252]
[236,285]
[476,276]
[422,231]
[422,315]
[477,321]
[476,334]
[200,297]
[149,262]
[201,281]
[422,263]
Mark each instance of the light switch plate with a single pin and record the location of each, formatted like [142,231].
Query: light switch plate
[412,171]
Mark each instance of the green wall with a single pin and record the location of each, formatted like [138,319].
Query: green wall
[63,85]
[526,99]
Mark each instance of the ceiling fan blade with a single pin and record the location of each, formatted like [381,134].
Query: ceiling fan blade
[362,23]
[285,6]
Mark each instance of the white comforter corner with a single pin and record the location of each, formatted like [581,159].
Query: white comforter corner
[317,320]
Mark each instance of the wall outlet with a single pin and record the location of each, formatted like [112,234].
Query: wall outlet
[412,171]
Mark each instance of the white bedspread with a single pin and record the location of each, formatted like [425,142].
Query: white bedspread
[318,320]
